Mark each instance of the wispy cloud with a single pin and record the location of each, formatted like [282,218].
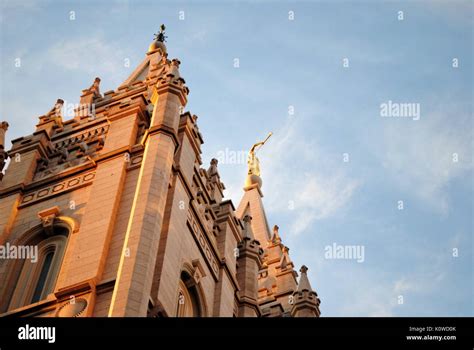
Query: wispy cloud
[303,179]
[88,54]
[420,156]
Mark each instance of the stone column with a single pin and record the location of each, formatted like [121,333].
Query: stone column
[135,273]
[249,263]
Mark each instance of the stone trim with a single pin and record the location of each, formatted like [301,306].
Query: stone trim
[57,188]
[206,249]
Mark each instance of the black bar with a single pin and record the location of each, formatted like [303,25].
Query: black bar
[336,331]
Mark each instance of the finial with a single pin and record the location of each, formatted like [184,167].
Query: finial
[159,43]
[304,284]
[95,87]
[58,107]
[212,168]
[276,236]
[56,110]
[160,36]
[3,153]
[59,103]
[247,226]
[4,125]
[247,218]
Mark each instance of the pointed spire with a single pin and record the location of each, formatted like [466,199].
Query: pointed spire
[252,204]
[285,261]
[306,299]
[304,281]
[247,219]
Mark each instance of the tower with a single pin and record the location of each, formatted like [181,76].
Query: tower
[122,219]
[305,300]
[277,279]
[249,262]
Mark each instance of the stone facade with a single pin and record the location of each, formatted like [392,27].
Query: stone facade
[130,221]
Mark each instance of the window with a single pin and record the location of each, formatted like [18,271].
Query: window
[188,298]
[37,279]
[40,285]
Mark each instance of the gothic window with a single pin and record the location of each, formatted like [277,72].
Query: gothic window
[37,277]
[188,298]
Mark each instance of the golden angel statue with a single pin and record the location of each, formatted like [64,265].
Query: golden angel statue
[252,160]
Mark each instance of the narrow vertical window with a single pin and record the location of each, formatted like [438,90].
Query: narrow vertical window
[40,284]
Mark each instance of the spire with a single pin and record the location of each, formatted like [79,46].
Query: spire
[306,301]
[158,73]
[251,203]
[285,261]
[304,284]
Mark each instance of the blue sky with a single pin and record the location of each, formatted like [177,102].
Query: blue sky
[315,197]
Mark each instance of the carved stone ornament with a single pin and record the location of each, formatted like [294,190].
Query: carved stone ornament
[72,308]
[47,217]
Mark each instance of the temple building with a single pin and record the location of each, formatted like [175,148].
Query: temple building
[121,219]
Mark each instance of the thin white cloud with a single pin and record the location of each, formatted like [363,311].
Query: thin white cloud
[419,155]
[20,5]
[302,179]
[320,198]
[92,55]
[373,296]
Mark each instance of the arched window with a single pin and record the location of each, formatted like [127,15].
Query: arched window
[188,298]
[37,277]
